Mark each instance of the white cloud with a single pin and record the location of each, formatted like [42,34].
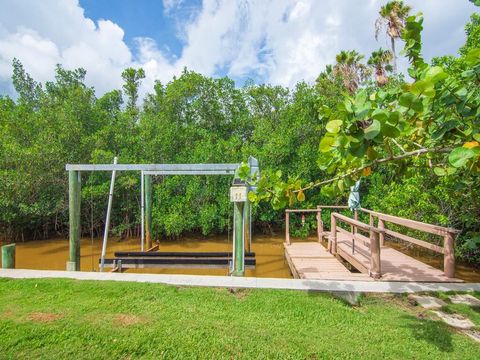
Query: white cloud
[169,5]
[279,41]
[51,32]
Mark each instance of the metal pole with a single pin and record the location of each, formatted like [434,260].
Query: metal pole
[147,182]
[107,220]
[142,213]
[246,224]
[238,240]
[250,227]
[74,204]
[8,256]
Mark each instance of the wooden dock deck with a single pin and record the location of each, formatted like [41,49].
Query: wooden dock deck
[310,260]
[369,255]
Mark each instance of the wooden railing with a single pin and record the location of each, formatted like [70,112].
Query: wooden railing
[377,234]
[320,226]
[448,234]
[375,269]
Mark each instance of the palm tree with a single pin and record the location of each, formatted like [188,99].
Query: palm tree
[392,18]
[380,61]
[350,69]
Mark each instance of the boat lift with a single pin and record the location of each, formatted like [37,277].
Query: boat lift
[237,260]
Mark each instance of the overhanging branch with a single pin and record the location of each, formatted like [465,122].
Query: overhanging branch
[375,162]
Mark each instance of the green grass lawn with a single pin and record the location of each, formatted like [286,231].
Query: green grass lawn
[57,319]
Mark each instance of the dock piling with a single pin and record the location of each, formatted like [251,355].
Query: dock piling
[74,203]
[8,256]
[148,210]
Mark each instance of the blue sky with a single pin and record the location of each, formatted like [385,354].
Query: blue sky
[143,18]
[280,42]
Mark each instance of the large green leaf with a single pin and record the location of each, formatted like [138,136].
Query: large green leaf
[373,130]
[326,143]
[436,74]
[460,156]
[443,128]
[390,130]
[358,150]
[381,115]
[334,126]
[406,99]
[423,87]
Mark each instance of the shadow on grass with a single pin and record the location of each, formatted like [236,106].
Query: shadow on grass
[433,332]
[476,308]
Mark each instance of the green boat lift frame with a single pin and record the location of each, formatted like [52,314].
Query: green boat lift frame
[238,195]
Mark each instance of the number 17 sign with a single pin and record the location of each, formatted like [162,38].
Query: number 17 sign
[238,194]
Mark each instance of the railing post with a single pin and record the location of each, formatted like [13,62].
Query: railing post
[287,227]
[319,224]
[381,226]
[449,255]
[332,239]
[372,220]
[353,227]
[375,263]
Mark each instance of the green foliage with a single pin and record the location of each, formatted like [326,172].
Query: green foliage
[192,119]
[132,78]
[421,195]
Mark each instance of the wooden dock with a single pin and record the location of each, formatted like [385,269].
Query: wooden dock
[310,260]
[371,258]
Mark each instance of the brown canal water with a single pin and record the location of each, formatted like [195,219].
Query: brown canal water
[53,255]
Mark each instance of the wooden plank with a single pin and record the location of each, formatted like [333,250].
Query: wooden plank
[352,259]
[153,248]
[287,227]
[291,266]
[356,223]
[312,258]
[357,236]
[413,224]
[412,240]
[318,209]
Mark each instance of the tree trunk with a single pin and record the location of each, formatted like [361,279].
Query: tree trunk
[394,55]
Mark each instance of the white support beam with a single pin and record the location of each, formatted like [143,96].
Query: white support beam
[190,172]
[152,167]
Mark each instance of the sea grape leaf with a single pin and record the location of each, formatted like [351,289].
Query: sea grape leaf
[373,130]
[460,156]
[334,126]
